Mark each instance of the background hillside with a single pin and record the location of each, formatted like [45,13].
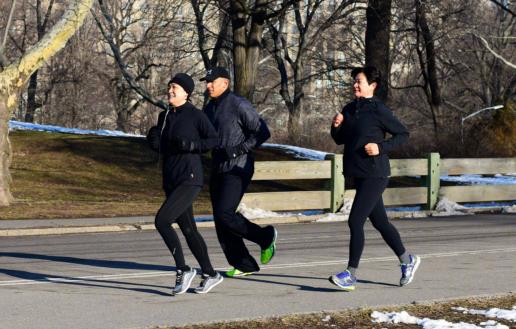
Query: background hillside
[66,175]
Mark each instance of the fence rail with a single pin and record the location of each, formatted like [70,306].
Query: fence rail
[331,168]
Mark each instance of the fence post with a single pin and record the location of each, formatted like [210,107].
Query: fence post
[337,182]
[433,179]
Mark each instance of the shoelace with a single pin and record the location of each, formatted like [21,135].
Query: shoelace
[204,280]
[179,278]
[405,268]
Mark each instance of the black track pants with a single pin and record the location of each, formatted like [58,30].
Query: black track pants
[368,202]
[226,191]
[178,209]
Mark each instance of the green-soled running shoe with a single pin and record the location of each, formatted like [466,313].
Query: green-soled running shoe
[268,253]
[234,272]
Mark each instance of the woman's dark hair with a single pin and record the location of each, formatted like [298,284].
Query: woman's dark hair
[372,74]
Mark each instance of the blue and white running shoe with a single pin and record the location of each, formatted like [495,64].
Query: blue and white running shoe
[409,270]
[344,280]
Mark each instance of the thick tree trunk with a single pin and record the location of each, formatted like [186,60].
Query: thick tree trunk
[295,126]
[246,45]
[377,41]
[5,146]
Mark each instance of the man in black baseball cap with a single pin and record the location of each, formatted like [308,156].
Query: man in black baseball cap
[240,130]
[214,73]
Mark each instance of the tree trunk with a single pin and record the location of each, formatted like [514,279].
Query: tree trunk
[295,127]
[377,41]
[429,66]
[246,46]
[122,120]
[15,76]
[32,105]
[7,105]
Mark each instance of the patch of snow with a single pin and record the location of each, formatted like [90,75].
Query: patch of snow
[298,152]
[327,318]
[446,207]
[426,323]
[346,207]
[409,214]
[394,317]
[509,210]
[17,125]
[330,217]
[509,315]
[253,213]
[341,215]
[471,179]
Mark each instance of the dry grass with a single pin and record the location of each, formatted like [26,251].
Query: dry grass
[78,176]
[362,318]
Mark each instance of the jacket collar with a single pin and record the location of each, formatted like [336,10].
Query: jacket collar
[221,98]
[179,109]
[362,101]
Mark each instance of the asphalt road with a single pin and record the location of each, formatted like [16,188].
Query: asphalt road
[123,280]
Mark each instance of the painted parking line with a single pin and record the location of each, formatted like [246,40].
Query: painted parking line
[136,275]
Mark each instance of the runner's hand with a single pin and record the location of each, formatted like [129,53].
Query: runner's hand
[372,149]
[337,120]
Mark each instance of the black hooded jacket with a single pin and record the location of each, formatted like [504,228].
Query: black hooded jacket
[367,120]
[182,134]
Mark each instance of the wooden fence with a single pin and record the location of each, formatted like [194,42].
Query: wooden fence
[331,168]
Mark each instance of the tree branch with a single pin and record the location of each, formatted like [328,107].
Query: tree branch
[495,54]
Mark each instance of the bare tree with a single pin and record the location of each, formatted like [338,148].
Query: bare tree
[293,52]
[42,20]
[14,77]
[215,42]
[134,40]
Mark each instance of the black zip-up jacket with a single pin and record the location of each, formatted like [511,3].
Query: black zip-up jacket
[182,134]
[240,130]
[366,120]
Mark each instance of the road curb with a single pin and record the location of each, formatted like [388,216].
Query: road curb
[260,221]
[136,227]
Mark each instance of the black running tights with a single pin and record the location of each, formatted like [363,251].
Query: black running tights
[177,208]
[368,202]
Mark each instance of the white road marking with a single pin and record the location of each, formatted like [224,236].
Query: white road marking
[276,266]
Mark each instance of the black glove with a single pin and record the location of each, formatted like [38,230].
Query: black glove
[182,144]
[153,138]
[233,152]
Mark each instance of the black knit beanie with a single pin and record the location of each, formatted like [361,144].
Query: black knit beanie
[185,81]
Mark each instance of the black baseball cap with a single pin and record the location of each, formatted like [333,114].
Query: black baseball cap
[214,73]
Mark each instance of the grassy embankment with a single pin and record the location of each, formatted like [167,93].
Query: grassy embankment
[361,318]
[72,176]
